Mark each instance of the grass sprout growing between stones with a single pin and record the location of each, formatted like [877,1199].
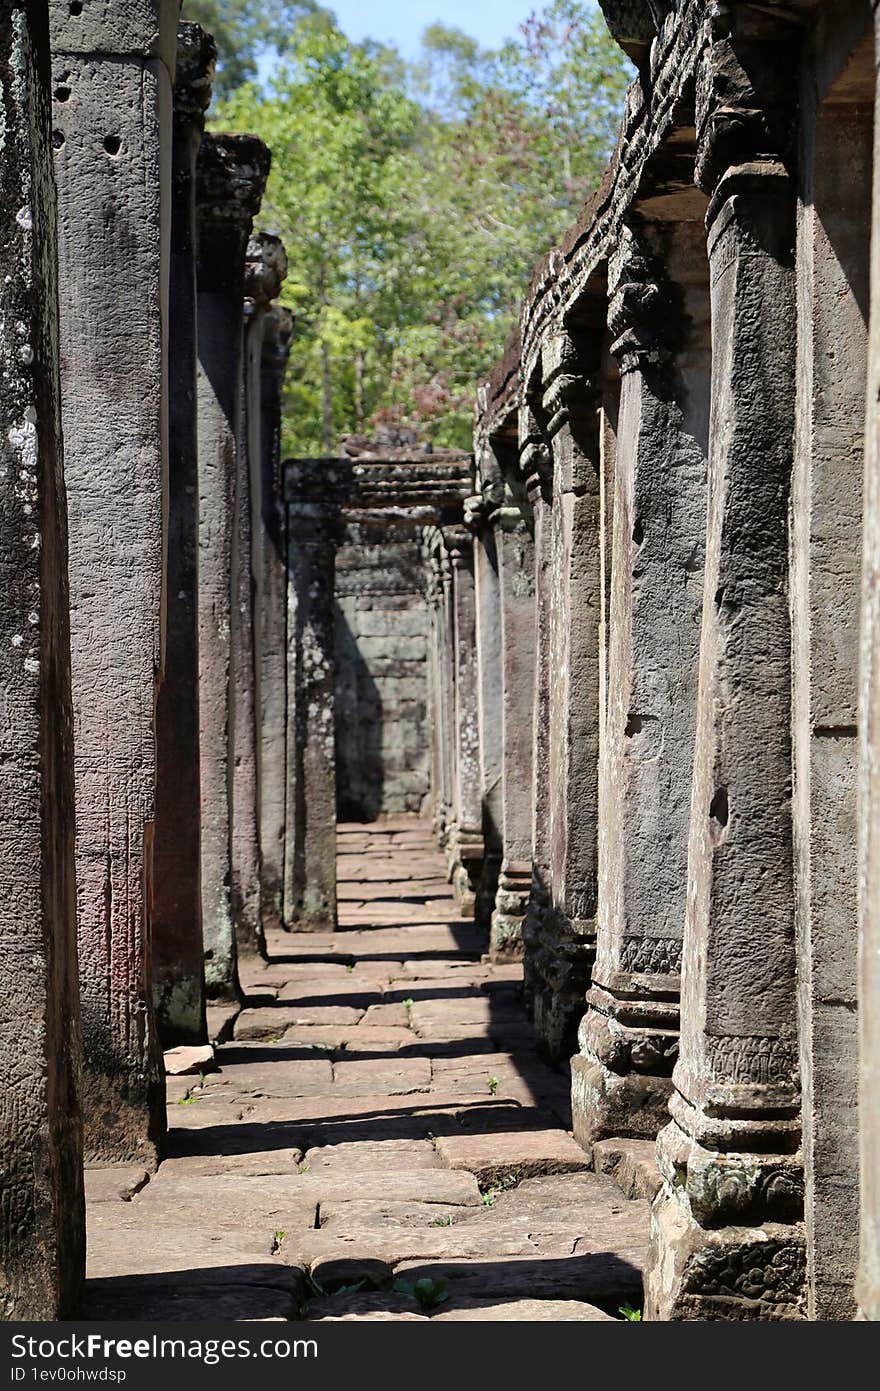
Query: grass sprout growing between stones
[428,1294]
[493,1085]
[443,1221]
[630,1314]
[408,1004]
[278,1242]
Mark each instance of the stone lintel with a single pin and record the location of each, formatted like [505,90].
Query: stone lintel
[115,28]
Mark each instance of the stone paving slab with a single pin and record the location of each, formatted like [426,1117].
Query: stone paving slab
[380,1115]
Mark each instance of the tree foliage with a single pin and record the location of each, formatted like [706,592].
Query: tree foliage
[414,202]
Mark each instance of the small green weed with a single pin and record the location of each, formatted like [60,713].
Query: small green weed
[428,1294]
[630,1314]
[443,1221]
[493,1085]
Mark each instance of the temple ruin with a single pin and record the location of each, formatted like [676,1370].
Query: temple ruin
[330,765]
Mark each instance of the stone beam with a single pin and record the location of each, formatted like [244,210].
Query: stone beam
[112,77]
[42,1217]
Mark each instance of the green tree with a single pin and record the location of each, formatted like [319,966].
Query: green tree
[415,202]
[244,30]
[341,134]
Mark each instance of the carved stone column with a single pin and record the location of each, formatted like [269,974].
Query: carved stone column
[727,1240]
[178,953]
[629,1036]
[565,945]
[112,136]
[514,541]
[465,851]
[232,172]
[272,647]
[42,1219]
[868,1281]
[536,469]
[442,685]
[310,845]
[487,598]
[265,268]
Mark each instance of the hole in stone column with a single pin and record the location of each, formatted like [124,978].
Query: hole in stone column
[57,139]
[112,144]
[638,531]
[75,7]
[62,93]
[633,726]
[719,809]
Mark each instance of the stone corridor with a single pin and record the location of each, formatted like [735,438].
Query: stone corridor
[378,1117]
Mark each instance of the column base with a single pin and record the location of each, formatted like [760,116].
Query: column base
[180,1012]
[464,863]
[511,904]
[731,1274]
[487,891]
[622,1081]
[562,968]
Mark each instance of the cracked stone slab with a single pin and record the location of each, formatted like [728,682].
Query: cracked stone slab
[517,1154]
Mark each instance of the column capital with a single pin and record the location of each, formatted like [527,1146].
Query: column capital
[194,75]
[745,99]
[277,338]
[535,458]
[569,391]
[231,178]
[641,314]
[265,270]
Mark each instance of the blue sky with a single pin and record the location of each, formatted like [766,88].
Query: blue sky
[402,21]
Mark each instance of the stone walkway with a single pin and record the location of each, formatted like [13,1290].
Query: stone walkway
[380,1139]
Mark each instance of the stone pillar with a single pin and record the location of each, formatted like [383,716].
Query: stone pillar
[42,1219]
[466,849]
[565,946]
[629,1037]
[834,238]
[727,1241]
[112,85]
[442,685]
[231,176]
[272,609]
[178,954]
[536,469]
[868,1282]
[310,844]
[516,568]
[265,268]
[487,599]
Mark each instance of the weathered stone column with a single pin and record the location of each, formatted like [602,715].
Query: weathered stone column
[487,596]
[564,950]
[834,238]
[42,1219]
[112,116]
[629,1036]
[272,646]
[536,469]
[310,845]
[439,594]
[466,848]
[727,1241]
[232,172]
[265,268]
[868,1282]
[178,953]
[516,567]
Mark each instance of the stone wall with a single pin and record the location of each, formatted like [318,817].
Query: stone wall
[381,674]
